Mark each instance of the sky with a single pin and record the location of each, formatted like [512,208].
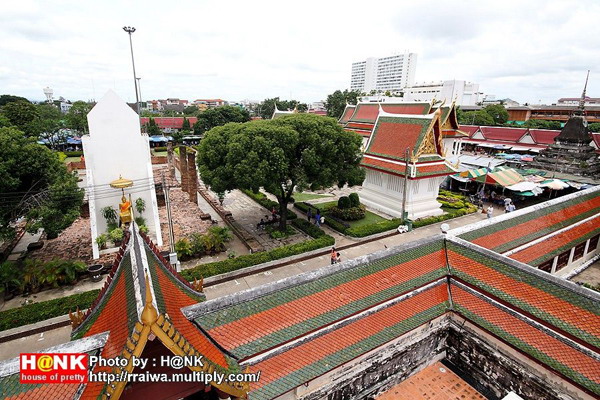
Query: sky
[529,51]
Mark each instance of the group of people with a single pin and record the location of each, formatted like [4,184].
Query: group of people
[268,220]
[319,219]
[509,206]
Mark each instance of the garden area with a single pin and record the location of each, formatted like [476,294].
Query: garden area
[350,217]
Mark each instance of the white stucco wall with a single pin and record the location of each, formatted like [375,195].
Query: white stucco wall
[117,147]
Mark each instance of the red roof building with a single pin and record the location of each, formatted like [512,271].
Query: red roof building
[169,122]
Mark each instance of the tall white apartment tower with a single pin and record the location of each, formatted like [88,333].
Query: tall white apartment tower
[391,73]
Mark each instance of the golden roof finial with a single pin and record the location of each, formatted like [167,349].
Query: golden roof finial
[76,318]
[198,285]
[149,314]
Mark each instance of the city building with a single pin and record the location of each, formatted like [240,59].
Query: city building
[209,103]
[552,113]
[463,92]
[457,301]
[169,124]
[574,101]
[392,73]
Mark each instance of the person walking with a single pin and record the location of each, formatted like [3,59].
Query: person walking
[511,207]
[318,219]
[490,211]
[309,214]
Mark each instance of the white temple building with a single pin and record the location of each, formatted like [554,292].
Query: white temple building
[116,148]
[398,140]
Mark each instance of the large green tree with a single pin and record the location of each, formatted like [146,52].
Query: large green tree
[22,115]
[267,107]
[219,116]
[336,102]
[49,125]
[8,98]
[474,118]
[594,127]
[497,112]
[35,185]
[542,124]
[152,129]
[294,152]
[77,116]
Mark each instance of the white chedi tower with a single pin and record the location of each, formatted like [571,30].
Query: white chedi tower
[114,148]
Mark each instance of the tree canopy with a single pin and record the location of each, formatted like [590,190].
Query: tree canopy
[7,98]
[152,129]
[77,117]
[35,184]
[541,124]
[336,102]
[490,115]
[497,112]
[267,107]
[219,116]
[297,151]
[21,114]
[594,127]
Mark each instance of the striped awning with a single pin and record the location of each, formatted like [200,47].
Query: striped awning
[504,178]
[474,173]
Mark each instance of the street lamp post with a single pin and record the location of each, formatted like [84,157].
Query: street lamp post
[130,30]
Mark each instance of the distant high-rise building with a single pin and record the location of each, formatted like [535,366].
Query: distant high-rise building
[391,73]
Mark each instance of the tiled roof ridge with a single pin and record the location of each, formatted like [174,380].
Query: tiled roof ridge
[107,284]
[526,317]
[219,303]
[167,265]
[341,323]
[509,216]
[568,285]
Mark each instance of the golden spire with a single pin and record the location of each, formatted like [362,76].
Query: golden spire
[149,314]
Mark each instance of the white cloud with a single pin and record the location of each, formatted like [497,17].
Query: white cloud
[234,50]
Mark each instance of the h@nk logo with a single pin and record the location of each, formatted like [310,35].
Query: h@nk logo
[53,368]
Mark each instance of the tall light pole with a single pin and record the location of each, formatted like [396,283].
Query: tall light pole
[130,30]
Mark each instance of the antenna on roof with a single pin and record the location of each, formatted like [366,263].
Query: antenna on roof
[582,101]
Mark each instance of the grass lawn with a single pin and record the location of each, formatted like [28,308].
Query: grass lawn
[308,196]
[370,218]
[71,159]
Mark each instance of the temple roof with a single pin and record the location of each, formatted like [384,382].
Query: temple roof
[394,134]
[348,111]
[142,295]
[368,112]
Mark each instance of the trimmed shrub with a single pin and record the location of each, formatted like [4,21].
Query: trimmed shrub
[348,214]
[336,223]
[354,200]
[42,311]
[308,228]
[159,148]
[73,153]
[344,202]
[371,229]
[261,199]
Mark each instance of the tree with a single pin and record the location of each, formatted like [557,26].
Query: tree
[293,152]
[152,128]
[186,125]
[190,110]
[21,114]
[8,98]
[336,102]
[35,185]
[497,112]
[267,107]
[475,118]
[49,125]
[77,117]
[219,116]
[594,127]
[541,124]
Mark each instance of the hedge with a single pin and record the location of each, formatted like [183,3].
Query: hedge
[308,228]
[371,229]
[44,310]
[261,199]
[73,153]
[233,264]
[159,148]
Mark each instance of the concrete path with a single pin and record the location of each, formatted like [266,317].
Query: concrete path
[273,275]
